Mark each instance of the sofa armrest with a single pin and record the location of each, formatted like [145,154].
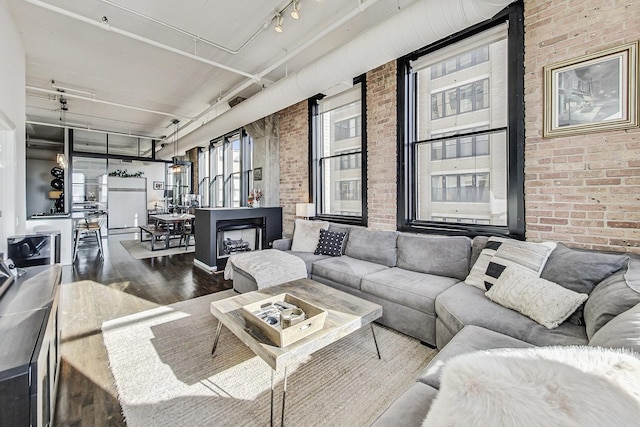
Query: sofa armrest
[283,244]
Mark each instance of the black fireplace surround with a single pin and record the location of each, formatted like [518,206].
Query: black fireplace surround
[211,222]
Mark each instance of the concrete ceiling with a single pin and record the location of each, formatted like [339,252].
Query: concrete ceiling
[96,61]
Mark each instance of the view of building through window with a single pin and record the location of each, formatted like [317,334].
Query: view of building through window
[338,139]
[230,164]
[461,131]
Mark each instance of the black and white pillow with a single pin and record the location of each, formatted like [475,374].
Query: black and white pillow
[330,243]
[501,253]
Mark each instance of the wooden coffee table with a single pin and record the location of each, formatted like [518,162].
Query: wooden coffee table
[345,314]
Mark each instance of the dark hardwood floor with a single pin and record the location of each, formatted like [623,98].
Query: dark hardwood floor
[94,291]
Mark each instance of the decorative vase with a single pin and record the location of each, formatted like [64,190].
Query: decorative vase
[256,203]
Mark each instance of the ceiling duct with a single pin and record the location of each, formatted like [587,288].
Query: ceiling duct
[416,26]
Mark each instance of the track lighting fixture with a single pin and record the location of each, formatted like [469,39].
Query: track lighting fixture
[279,22]
[295,12]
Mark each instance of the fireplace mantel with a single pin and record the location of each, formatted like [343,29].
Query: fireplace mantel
[206,225]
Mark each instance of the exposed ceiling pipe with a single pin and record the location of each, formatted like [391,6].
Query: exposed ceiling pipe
[88,129]
[416,26]
[362,6]
[100,101]
[187,33]
[106,26]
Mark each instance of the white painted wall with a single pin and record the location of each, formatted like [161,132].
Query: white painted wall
[12,129]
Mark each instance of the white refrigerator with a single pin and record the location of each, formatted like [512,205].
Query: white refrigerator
[127,201]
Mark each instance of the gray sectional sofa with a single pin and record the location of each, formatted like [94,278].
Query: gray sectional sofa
[419,281]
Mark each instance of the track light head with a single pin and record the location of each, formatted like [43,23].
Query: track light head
[295,12]
[279,22]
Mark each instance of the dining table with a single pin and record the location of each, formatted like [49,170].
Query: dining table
[173,223]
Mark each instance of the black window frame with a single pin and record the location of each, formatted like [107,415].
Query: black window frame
[407,162]
[315,180]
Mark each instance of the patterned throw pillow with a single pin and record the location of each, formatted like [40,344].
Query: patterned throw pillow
[499,253]
[330,243]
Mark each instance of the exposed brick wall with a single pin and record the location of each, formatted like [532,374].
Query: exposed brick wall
[294,161]
[581,190]
[382,147]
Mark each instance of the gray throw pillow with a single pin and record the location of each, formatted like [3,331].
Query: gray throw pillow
[610,298]
[579,270]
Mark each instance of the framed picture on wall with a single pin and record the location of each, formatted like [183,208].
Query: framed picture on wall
[592,93]
[158,185]
[257,174]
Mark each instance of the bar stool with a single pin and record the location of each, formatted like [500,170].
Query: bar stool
[90,225]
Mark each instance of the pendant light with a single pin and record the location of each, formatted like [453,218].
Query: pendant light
[175,167]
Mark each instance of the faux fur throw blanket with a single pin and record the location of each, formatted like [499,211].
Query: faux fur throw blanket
[268,267]
[545,386]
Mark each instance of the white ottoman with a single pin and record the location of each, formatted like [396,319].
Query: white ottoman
[255,270]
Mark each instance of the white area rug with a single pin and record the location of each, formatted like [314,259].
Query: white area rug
[142,250]
[165,374]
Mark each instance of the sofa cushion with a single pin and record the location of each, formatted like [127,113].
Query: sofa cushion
[623,331]
[579,270]
[546,302]
[611,297]
[407,288]
[306,235]
[345,270]
[373,246]
[499,253]
[470,338]
[477,245]
[463,305]
[440,255]
[309,258]
[409,409]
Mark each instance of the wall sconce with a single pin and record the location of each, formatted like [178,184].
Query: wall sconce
[61,160]
[306,210]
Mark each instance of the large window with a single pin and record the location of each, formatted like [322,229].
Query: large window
[337,145]
[203,172]
[464,129]
[230,167]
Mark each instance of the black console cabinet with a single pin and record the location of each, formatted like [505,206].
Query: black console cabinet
[29,356]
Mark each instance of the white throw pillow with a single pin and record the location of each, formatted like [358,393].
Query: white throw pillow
[544,386]
[500,253]
[306,235]
[546,302]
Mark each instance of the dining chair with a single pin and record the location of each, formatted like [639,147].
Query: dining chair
[92,225]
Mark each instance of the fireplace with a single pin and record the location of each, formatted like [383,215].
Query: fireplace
[222,232]
[239,235]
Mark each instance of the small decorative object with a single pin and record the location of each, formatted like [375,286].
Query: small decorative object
[595,92]
[257,174]
[274,317]
[125,174]
[254,198]
[158,185]
[58,185]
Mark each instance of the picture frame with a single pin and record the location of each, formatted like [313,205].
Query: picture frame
[158,185]
[257,174]
[592,93]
